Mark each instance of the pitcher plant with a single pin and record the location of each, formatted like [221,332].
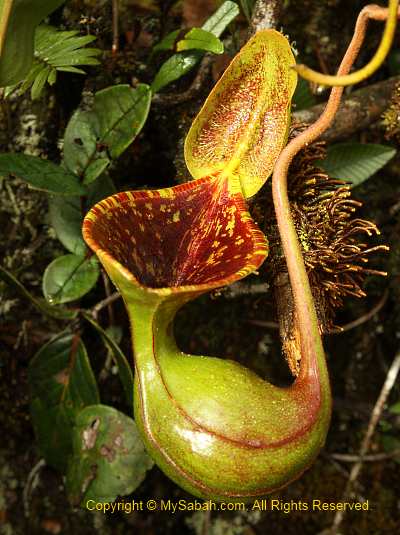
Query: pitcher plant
[213,426]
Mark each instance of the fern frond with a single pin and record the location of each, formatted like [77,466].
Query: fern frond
[56,50]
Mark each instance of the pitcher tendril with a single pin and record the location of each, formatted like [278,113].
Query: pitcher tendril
[310,338]
[373,12]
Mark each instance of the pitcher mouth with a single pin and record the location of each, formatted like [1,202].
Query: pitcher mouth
[188,238]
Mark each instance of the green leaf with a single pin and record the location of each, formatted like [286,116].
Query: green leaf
[201,40]
[66,219]
[80,142]
[174,68]
[59,313]
[217,23]
[71,69]
[52,78]
[57,51]
[115,333]
[124,369]
[167,43]
[109,456]
[303,98]
[18,20]
[30,78]
[40,82]
[180,64]
[62,383]
[69,277]
[92,137]
[54,46]
[41,174]
[95,169]
[355,161]
[122,112]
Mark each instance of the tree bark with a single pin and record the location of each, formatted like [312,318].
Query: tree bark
[265,16]
[357,111]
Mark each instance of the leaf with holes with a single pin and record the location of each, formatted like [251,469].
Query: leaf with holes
[243,125]
[356,162]
[69,277]
[41,174]
[93,138]
[62,383]
[109,456]
[80,143]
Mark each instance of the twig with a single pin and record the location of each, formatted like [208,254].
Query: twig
[393,210]
[357,111]
[365,317]
[351,325]
[31,483]
[375,416]
[266,324]
[107,288]
[266,14]
[115,26]
[347,458]
[337,466]
[238,289]
[192,92]
[104,303]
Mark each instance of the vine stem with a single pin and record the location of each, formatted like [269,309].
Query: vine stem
[115,26]
[306,315]
[374,12]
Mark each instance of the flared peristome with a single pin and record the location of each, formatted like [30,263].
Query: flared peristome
[193,236]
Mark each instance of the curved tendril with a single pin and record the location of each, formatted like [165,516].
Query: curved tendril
[304,303]
[390,14]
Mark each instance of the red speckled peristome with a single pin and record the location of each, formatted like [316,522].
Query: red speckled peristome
[193,234]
